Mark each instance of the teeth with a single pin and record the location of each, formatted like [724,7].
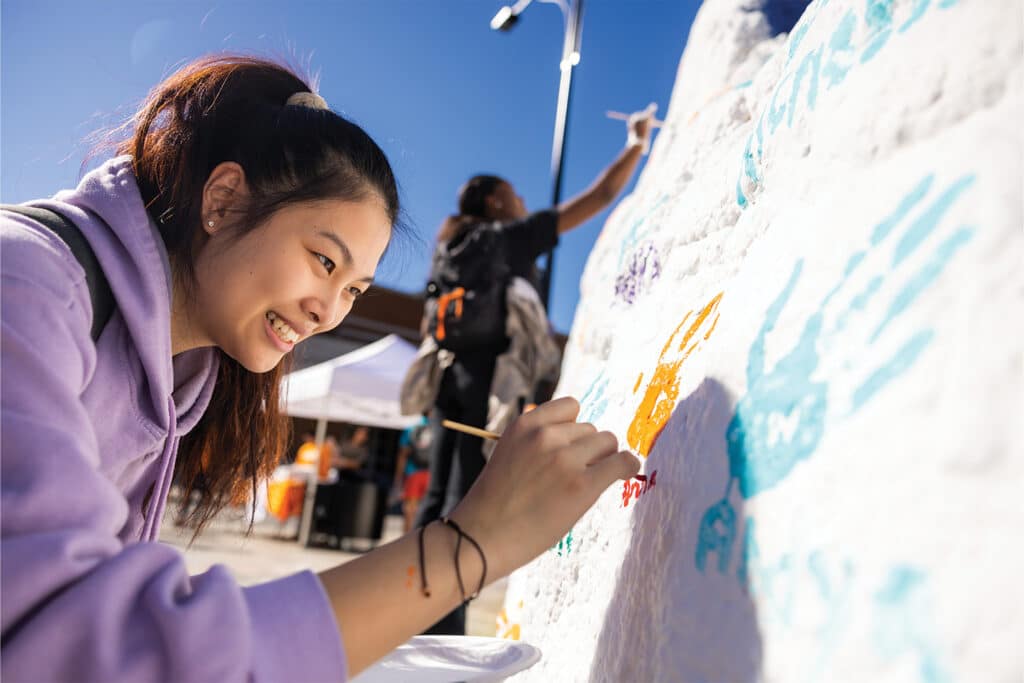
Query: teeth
[283,329]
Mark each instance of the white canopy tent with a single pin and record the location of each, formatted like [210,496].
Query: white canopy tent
[360,387]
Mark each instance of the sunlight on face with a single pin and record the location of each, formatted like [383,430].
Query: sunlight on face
[295,276]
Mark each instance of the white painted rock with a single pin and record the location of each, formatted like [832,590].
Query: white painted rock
[808,319]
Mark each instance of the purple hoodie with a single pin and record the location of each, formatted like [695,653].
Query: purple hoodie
[88,441]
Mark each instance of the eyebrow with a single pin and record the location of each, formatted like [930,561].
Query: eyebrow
[346,253]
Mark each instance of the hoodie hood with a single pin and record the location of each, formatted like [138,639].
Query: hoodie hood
[141,401]
[108,208]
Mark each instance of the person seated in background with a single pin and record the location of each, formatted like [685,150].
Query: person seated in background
[308,452]
[355,452]
[316,458]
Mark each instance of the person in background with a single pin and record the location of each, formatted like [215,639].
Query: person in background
[355,451]
[238,216]
[308,453]
[494,234]
[412,472]
[316,458]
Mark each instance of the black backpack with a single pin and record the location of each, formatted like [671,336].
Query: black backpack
[99,289]
[465,305]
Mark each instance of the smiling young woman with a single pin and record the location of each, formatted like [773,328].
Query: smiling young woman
[240,216]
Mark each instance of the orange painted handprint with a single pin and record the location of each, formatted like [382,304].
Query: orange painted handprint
[662,391]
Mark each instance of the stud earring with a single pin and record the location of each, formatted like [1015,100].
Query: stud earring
[209,223]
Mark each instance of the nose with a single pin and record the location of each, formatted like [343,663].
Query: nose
[326,312]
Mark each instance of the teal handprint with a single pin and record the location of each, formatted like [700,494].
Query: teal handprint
[781,419]
[761,452]
[903,628]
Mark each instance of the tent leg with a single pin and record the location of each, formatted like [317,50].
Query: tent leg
[306,524]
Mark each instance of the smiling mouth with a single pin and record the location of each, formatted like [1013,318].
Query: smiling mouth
[283,330]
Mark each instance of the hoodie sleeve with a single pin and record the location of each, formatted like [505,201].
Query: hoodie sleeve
[78,604]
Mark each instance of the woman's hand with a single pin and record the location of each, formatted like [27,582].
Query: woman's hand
[639,125]
[545,473]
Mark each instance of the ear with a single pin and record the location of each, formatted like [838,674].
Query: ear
[225,189]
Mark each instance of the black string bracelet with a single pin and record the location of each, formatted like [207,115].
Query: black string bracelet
[423,566]
[458,571]
[483,559]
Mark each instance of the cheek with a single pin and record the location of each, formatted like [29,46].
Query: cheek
[236,282]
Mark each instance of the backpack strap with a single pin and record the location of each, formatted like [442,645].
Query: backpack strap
[100,295]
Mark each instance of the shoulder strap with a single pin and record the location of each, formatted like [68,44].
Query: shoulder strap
[99,289]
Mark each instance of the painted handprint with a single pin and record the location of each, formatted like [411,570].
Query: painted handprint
[781,419]
[902,626]
[663,388]
[643,269]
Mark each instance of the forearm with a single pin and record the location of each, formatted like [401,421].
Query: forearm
[377,598]
[544,474]
[602,192]
[611,181]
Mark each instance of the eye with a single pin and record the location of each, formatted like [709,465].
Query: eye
[327,263]
[355,292]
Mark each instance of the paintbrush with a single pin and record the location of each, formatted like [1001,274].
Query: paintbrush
[483,433]
[618,115]
[472,431]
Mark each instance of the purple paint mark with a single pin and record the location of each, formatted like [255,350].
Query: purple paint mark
[643,269]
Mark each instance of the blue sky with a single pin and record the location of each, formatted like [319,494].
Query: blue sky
[444,95]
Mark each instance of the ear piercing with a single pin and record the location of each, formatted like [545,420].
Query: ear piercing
[209,223]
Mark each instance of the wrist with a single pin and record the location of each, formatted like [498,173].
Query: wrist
[487,537]
[633,139]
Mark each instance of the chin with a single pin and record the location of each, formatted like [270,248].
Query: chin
[257,363]
[264,365]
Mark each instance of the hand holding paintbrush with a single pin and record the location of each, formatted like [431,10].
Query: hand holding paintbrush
[546,471]
[476,431]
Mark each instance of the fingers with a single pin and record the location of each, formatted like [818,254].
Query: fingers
[569,432]
[592,447]
[563,409]
[619,465]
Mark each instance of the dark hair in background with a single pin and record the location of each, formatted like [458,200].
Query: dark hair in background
[232,108]
[472,205]
[473,195]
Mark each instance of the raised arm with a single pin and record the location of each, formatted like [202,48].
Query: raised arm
[545,473]
[607,186]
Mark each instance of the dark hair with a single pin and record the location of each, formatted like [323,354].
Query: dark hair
[472,205]
[474,193]
[232,108]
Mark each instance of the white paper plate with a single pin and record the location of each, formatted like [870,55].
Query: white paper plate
[448,659]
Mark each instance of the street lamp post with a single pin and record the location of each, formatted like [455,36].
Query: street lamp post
[572,12]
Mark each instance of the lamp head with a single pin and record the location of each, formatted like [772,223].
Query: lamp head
[505,19]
